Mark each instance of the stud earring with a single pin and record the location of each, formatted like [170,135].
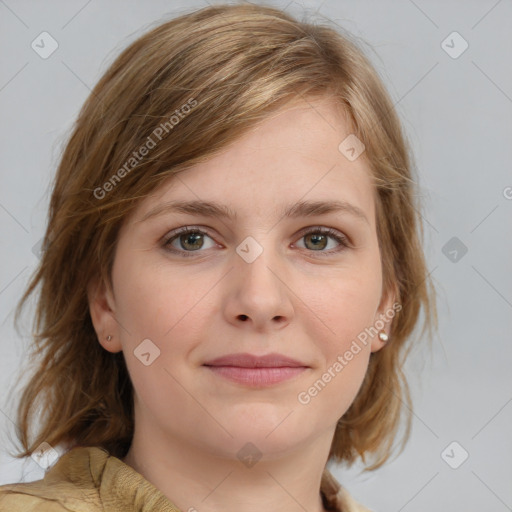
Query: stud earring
[109,337]
[383,336]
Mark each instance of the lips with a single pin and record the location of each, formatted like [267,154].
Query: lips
[256,371]
[252,361]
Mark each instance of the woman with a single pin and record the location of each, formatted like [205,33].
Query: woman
[232,271]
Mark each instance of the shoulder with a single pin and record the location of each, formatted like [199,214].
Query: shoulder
[85,479]
[14,498]
[40,496]
[67,486]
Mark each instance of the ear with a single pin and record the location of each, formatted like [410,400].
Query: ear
[384,316]
[102,310]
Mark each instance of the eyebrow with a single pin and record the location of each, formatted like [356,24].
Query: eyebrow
[213,209]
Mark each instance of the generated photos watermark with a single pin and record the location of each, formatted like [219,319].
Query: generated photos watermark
[305,397]
[160,132]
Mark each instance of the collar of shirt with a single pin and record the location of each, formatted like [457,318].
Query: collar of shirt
[89,479]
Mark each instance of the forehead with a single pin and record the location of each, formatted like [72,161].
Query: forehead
[293,155]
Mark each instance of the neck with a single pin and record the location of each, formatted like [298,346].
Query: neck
[194,479]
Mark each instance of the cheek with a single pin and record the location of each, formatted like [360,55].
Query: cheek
[346,310]
[345,357]
[161,305]
[152,301]
[345,307]
[157,305]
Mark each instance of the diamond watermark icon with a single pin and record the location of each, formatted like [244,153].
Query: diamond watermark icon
[454,249]
[38,249]
[454,455]
[146,352]
[249,249]
[454,45]
[44,455]
[44,45]
[249,454]
[351,147]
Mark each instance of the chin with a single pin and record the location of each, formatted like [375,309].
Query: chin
[269,437]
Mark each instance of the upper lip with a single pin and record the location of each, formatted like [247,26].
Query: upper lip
[252,361]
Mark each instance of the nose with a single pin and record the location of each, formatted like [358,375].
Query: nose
[258,294]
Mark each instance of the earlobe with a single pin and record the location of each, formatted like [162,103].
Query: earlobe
[102,311]
[380,340]
[386,312]
[383,336]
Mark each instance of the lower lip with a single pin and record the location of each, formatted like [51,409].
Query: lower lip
[257,376]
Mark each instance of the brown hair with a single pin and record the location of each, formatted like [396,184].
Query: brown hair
[235,65]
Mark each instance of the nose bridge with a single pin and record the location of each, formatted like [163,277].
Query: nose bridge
[260,292]
[257,259]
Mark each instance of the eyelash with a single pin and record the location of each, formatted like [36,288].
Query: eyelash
[342,240]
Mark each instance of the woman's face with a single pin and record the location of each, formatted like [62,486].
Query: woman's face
[259,282]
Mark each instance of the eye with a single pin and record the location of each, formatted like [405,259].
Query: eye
[317,239]
[188,239]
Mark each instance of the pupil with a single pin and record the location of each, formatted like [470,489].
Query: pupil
[191,238]
[316,238]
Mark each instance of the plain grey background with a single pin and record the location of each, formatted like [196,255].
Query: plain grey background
[456,110]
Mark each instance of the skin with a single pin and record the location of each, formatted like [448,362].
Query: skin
[189,422]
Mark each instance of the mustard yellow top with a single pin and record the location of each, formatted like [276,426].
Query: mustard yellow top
[89,479]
